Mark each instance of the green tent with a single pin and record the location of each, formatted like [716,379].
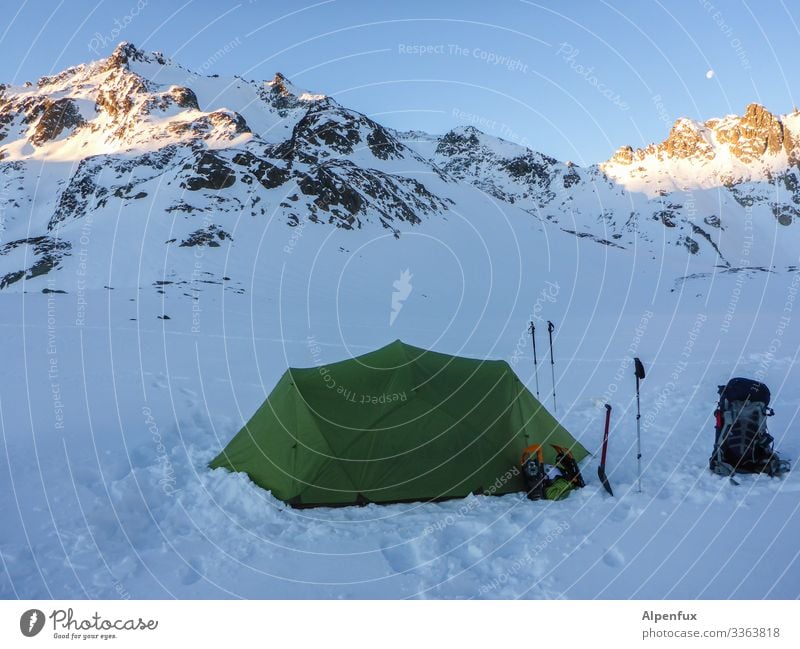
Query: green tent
[397,424]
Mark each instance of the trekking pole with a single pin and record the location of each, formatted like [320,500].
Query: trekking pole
[550,329]
[639,371]
[532,331]
[601,470]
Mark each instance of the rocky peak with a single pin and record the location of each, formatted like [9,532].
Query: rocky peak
[123,53]
[285,96]
[459,140]
[624,155]
[126,52]
[686,140]
[279,84]
[748,138]
[755,134]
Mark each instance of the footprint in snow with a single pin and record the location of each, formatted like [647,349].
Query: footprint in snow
[402,555]
[620,513]
[399,558]
[614,558]
[200,417]
[160,382]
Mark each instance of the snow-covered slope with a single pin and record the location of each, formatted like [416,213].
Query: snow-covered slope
[172,242]
[698,194]
[125,137]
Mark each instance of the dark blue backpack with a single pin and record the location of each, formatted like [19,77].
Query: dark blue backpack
[742,443]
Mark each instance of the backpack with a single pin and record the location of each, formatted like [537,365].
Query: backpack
[742,443]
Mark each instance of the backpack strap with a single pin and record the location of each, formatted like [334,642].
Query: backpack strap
[722,468]
[723,425]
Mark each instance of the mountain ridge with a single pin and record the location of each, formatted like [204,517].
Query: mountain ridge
[137,131]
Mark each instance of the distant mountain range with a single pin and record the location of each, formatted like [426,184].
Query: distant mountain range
[137,149]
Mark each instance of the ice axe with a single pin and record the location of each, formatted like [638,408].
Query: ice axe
[638,369]
[601,470]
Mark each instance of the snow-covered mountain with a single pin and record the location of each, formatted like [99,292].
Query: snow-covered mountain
[171,242]
[211,160]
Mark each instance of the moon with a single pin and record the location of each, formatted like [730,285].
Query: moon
[710,74]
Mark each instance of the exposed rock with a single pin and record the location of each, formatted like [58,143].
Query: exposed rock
[749,138]
[268,174]
[742,197]
[321,127]
[209,237]
[589,235]
[624,155]
[56,117]
[7,115]
[667,217]
[458,141]
[80,193]
[117,97]
[331,195]
[530,168]
[700,231]
[690,244]
[383,145]
[211,172]
[327,130]
[571,177]
[126,52]
[345,192]
[686,141]
[44,252]
[462,155]
[184,97]
[757,133]
[219,124]
[278,93]
[785,214]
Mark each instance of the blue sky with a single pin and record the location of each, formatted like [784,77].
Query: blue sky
[574,79]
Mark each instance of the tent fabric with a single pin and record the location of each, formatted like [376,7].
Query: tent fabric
[397,424]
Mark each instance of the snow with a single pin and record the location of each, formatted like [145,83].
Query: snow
[109,412]
[120,493]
